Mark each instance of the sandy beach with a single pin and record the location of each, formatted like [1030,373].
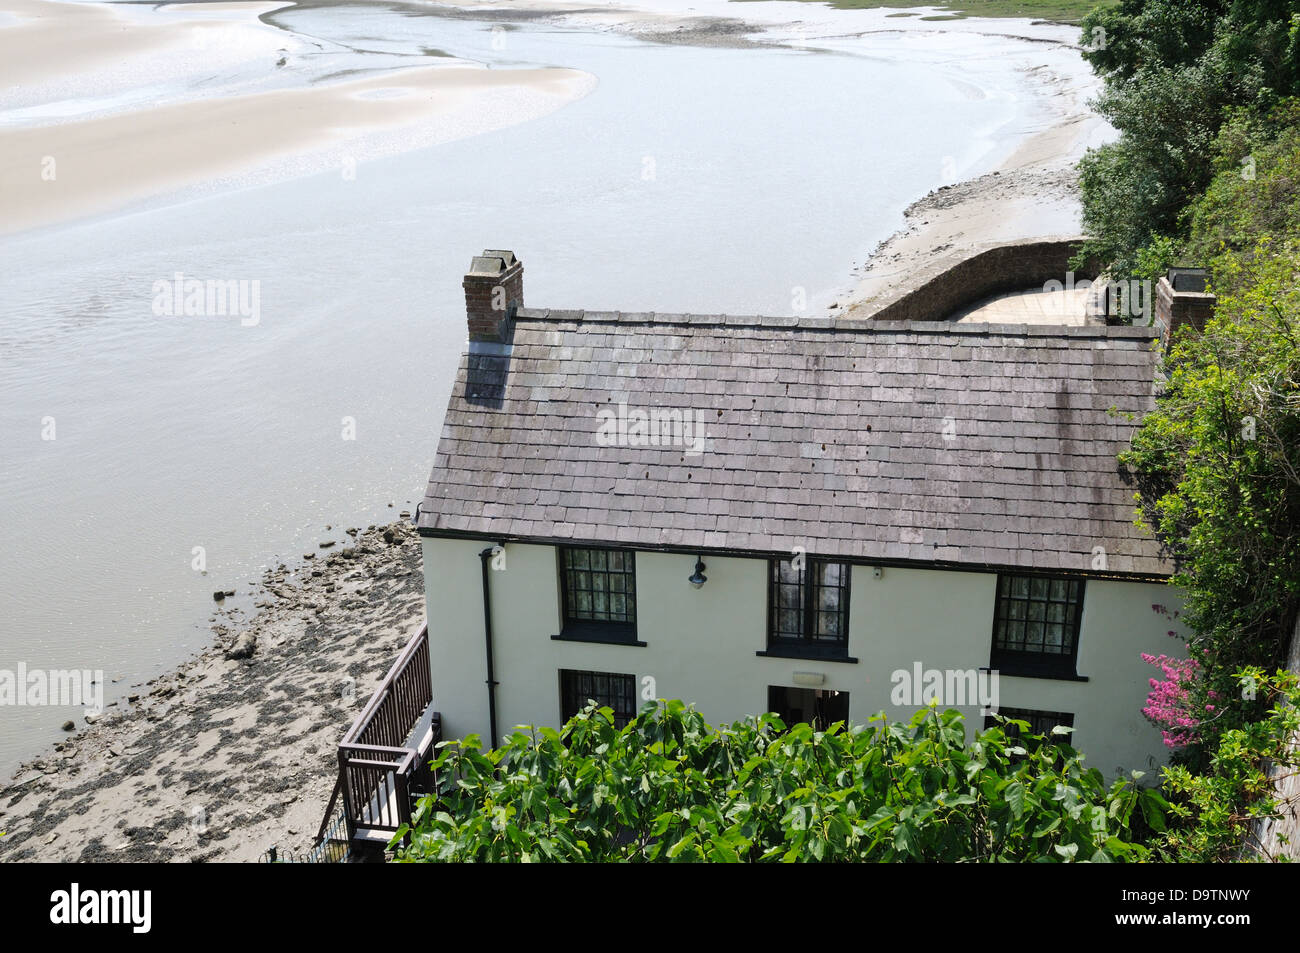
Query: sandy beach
[1033,194]
[223,758]
[99,162]
[61,169]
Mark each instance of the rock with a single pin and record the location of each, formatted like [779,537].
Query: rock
[230,592]
[327,544]
[69,726]
[308,555]
[219,595]
[405,514]
[91,718]
[244,647]
[115,751]
[132,698]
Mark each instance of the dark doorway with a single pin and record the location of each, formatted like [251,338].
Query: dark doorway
[817,706]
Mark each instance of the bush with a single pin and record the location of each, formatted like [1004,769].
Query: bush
[1175,72]
[1217,470]
[1214,815]
[668,787]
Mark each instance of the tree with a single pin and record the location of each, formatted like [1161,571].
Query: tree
[1174,72]
[1217,468]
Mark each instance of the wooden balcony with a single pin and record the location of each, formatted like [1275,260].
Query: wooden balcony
[384,757]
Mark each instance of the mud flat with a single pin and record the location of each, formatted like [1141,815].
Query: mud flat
[223,757]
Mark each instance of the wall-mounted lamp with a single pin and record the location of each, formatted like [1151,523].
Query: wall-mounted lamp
[697,578]
[876,572]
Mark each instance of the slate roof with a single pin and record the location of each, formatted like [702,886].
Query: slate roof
[975,445]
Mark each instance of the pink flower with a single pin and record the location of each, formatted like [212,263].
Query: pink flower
[1170,706]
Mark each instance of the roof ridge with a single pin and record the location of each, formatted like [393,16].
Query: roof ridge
[809,323]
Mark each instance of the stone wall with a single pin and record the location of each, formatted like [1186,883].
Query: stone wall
[1280,837]
[951,284]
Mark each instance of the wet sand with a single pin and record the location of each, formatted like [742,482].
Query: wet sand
[62,169]
[220,759]
[104,164]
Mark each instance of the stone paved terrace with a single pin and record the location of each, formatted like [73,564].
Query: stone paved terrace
[1071,307]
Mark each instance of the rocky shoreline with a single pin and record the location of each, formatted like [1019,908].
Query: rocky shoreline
[235,750]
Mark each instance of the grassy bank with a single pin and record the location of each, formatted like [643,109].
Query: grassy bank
[1060,11]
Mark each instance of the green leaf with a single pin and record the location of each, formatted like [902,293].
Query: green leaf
[1015,795]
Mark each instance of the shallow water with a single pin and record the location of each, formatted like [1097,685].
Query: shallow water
[691,179]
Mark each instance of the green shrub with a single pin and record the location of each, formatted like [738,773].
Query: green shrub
[668,787]
[1214,814]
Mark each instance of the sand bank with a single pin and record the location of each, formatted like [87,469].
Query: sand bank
[59,169]
[103,164]
[49,37]
[1032,194]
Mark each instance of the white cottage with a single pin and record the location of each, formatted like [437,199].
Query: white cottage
[822,518]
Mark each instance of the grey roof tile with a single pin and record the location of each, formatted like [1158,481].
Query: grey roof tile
[987,445]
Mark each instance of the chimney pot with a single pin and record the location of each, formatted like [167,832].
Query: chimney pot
[494,291]
[1181,299]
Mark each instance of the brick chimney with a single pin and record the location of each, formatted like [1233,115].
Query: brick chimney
[1181,299]
[494,290]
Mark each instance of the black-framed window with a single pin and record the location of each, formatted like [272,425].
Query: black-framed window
[1036,626]
[818,707]
[808,606]
[580,688]
[598,589]
[1040,723]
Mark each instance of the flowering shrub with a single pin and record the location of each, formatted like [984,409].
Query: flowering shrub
[1172,704]
[1219,814]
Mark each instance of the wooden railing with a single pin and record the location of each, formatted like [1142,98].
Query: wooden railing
[383,757]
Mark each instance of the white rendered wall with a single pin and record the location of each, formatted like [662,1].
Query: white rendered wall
[701,644]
